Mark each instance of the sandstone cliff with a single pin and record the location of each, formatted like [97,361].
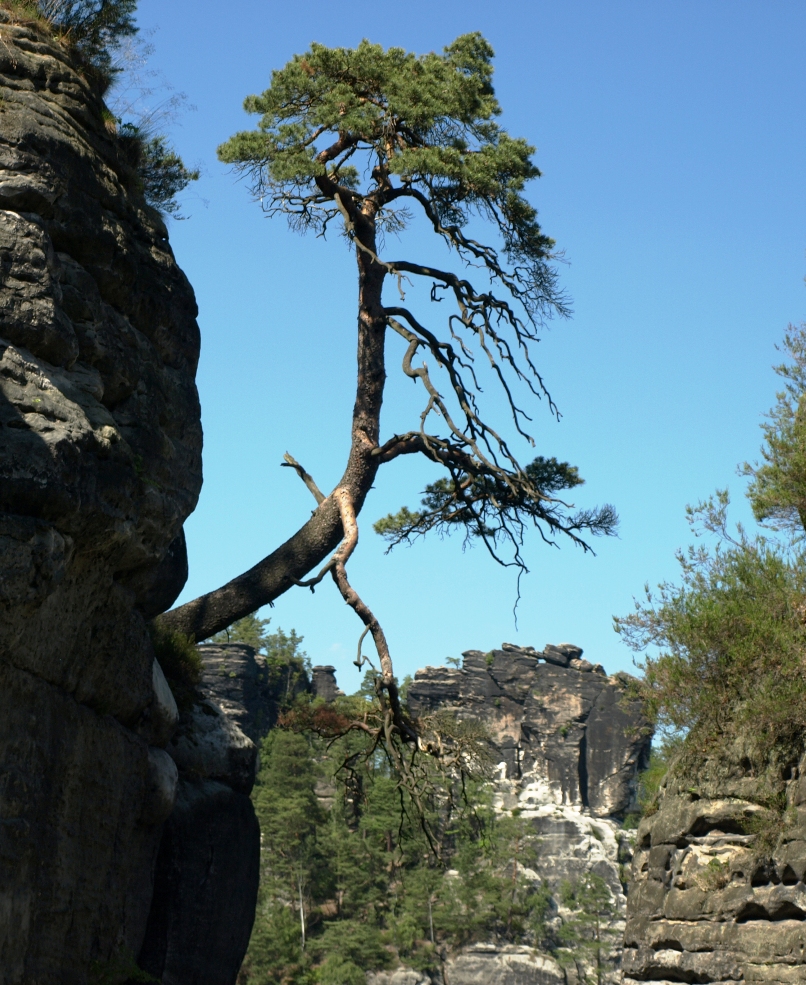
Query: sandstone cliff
[717,891]
[207,869]
[100,446]
[571,745]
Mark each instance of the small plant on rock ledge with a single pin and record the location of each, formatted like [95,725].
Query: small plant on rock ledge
[93,29]
[161,171]
[102,34]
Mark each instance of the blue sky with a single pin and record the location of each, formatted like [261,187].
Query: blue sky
[672,145]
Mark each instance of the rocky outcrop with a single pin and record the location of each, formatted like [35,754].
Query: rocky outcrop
[570,743]
[483,964]
[206,882]
[718,890]
[323,683]
[100,446]
[207,870]
[238,679]
[565,731]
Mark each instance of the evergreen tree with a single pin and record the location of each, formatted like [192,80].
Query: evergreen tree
[778,488]
[587,936]
[292,869]
[375,893]
[249,630]
[367,140]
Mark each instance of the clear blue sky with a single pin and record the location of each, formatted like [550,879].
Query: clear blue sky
[671,140]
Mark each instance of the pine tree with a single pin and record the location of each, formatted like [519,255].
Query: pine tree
[367,141]
[587,935]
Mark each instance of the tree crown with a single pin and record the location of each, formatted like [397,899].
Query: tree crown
[385,126]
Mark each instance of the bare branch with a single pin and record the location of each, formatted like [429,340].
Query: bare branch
[315,491]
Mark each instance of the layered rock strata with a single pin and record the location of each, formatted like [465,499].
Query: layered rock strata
[564,731]
[718,890]
[100,446]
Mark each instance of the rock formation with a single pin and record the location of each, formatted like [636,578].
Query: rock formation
[208,865]
[571,744]
[563,728]
[100,446]
[718,889]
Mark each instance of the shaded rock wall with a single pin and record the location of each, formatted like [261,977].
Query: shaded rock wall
[205,888]
[208,866]
[100,446]
[718,891]
[237,678]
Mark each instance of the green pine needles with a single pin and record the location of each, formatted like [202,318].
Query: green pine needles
[428,121]
[476,507]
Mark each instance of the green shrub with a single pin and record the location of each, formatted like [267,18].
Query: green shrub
[731,638]
[650,780]
[93,28]
[724,664]
[122,969]
[164,175]
[177,655]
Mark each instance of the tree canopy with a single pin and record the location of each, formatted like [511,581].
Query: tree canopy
[349,883]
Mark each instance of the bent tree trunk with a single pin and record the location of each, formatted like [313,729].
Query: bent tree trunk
[321,534]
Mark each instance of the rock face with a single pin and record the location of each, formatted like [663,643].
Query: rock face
[562,727]
[100,446]
[237,678]
[708,902]
[205,887]
[208,866]
[571,745]
[484,964]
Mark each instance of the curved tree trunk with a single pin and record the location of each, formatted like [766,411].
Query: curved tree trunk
[320,535]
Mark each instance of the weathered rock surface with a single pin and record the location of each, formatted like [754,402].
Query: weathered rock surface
[100,445]
[483,964]
[571,745]
[708,902]
[209,860]
[569,729]
[323,683]
[205,888]
[237,679]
